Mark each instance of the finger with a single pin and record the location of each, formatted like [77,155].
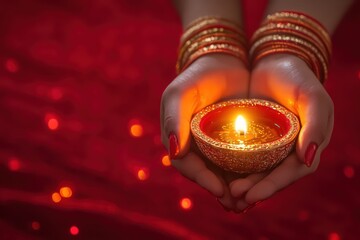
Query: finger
[194,168]
[177,106]
[316,114]
[240,186]
[227,200]
[197,87]
[290,170]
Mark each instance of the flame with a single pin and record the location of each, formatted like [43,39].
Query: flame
[240,125]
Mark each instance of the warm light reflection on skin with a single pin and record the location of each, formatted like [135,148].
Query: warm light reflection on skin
[166,161]
[66,192]
[240,125]
[186,203]
[136,130]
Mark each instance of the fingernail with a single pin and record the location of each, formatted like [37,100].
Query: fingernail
[310,154]
[173,146]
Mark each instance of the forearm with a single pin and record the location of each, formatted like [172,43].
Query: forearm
[190,10]
[328,12]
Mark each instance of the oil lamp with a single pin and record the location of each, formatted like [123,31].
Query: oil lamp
[245,135]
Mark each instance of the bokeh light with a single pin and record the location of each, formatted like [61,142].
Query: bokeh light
[11,65]
[166,160]
[349,171]
[334,236]
[35,225]
[66,192]
[53,124]
[56,93]
[186,203]
[74,230]
[143,174]
[136,130]
[14,164]
[303,215]
[56,197]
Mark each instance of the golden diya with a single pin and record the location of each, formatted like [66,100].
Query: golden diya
[245,135]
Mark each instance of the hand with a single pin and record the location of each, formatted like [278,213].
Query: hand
[209,79]
[287,80]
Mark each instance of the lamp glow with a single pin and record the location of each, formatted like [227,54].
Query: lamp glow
[240,125]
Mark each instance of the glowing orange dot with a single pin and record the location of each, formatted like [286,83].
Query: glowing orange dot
[14,164]
[349,172]
[334,236]
[53,123]
[56,197]
[142,174]
[11,65]
[74,230]
[166,161]
[136,130]
[186,203]
[65,192]
[35,225]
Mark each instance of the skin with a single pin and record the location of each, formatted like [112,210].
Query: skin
[282,78]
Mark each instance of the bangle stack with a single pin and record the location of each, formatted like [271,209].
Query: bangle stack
[293,33]
[211,35]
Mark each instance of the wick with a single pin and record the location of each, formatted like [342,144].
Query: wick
[241,133]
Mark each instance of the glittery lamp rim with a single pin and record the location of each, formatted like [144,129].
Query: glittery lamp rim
[287,138]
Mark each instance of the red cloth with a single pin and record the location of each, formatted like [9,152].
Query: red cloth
[76,75]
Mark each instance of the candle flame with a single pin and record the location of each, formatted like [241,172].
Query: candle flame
[240,125]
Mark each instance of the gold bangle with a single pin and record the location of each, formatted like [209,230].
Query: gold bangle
[211,39]
[295,30]
[218,48]
[209,35]
[308,57]
[295,40]
[206,38]
[303,18]
[207,21]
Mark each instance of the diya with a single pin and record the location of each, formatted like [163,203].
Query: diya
[245,135]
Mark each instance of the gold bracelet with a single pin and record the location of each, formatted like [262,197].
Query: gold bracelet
[293,33]
[210,35]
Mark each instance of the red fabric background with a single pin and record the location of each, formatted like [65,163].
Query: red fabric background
[98,67]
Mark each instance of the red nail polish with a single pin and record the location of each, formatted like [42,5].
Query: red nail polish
[310,154]
[173,146]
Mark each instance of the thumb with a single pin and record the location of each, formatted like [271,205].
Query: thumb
[316,115]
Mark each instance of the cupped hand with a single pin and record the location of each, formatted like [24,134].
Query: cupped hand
[209,79]
[287,80]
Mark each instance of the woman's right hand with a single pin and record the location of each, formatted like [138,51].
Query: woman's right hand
[209,79]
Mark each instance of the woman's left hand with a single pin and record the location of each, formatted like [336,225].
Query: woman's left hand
[287,80]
